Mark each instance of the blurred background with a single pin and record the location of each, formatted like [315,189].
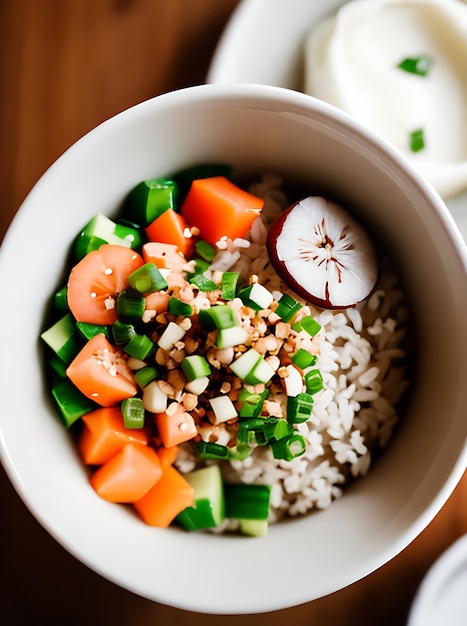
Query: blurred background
[66,66]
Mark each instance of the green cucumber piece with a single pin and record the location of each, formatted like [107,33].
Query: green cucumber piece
[253,527]
[100,230]
[150,198]
[208,510]
[63,338]
[245,364]
[247,501]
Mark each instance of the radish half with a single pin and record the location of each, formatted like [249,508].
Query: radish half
[323,254]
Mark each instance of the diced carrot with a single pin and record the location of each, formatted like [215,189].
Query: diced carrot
[128,475]
[171,227]
[218,208]
[104,434]
[163,255]
[97,279]
[100,372]
[167,456]
[175,425]
[163,502]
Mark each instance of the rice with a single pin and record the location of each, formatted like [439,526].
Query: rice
[363,362]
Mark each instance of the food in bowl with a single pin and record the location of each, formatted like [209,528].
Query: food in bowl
[398,67]
[202,388]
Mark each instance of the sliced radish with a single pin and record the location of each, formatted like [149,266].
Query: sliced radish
[323,254]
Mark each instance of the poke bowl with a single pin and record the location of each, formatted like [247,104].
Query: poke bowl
[382,447]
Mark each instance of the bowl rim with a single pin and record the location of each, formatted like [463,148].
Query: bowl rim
[237,93]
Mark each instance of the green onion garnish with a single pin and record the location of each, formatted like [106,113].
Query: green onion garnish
[287,307]
[203,283]
[417,140]
[133,413]
[205,250]
[140,347]
[416,65]
[212,450]
[146,375]
[299,408]
[130,306]
[310,325]
[178,307]
[89,331]
[302,358]
[147,279]
[229,285]
[313,381]
[122,332]
[289,448]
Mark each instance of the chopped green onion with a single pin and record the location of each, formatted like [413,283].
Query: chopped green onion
[195,366]
[287,307]
[205,250]
[229,285]
[212,450]
[218,316]
[289,447]
[302,358]
[299,408]
[310,325]
[203,283]
[133,413]
[140,347]
[130,306]
[255,296]
[146,375]
[262,431]
[71,403]
[240,452]
[416,65]
[200,266]
[178,307]
[417,140]
[313,381]
[147,279]
[122,332]
[252,402]
[247,501]
[88,331]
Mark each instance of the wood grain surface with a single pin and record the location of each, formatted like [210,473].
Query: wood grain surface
[66,66]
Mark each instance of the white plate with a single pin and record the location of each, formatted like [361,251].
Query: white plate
[441,598]
[263,43]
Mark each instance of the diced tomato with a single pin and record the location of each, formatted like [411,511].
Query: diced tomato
[97,279]
[100,372]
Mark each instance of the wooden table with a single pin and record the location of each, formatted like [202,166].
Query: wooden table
[65,66]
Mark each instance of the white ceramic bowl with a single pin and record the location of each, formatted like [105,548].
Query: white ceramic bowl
[256,128]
